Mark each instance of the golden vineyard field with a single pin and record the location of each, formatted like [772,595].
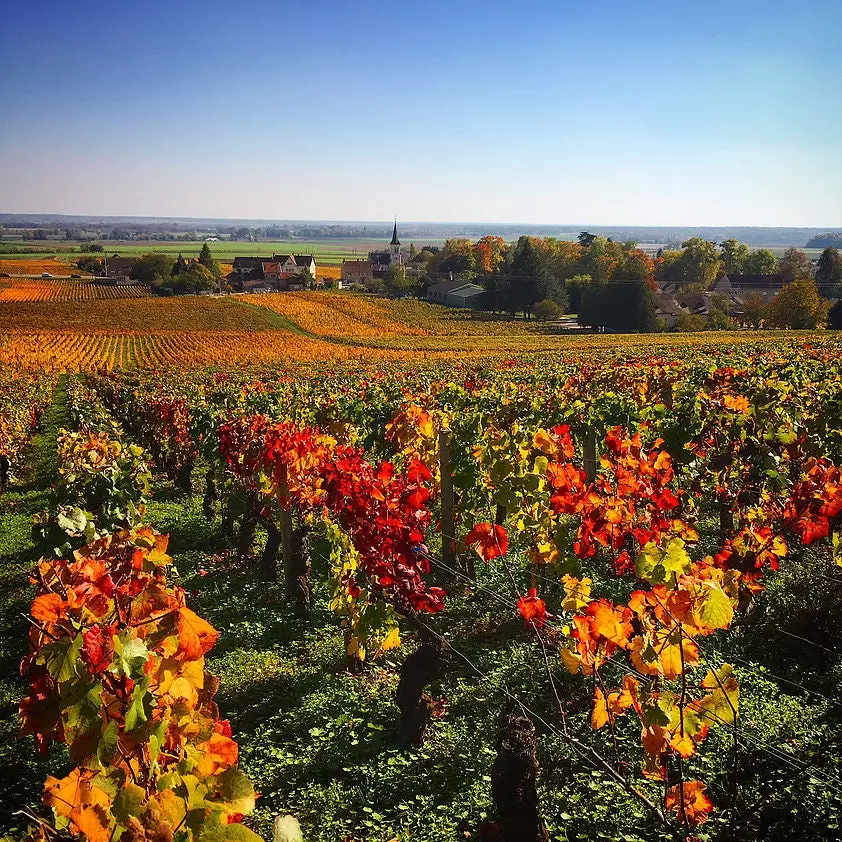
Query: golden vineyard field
[278,329]
[73,291]
[350,316]
[37,265]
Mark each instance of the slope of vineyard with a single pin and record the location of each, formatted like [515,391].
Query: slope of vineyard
[147,314]
[66,291]
[355,316]
[36,265]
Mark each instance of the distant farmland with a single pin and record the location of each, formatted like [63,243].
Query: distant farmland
[332,250]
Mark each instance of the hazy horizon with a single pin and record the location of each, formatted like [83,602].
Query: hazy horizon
[713,114]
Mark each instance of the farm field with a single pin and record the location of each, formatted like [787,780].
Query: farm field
[23,265]
[332,250]
[399,538]
[65,291]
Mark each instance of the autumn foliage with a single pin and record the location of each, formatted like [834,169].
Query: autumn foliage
[117,672]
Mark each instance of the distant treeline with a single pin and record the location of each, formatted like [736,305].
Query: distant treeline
[833,239]
[148,228]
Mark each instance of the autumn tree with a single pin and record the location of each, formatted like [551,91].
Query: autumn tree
[760,262]
[733,255]
[795,265]
[397,281]
[489,253]
[152,268]
[829,273]
[195,278]
[601,258]
[699,262]
[755,309]
[834,316]
[564,257]
[206,259]
[799,306]
[636,265]
[667,266]
[456,256]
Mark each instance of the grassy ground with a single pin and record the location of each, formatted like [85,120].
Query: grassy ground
[23,770]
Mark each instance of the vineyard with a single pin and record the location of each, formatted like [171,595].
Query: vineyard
[587,594]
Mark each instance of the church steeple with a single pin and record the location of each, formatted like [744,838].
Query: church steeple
[395,240]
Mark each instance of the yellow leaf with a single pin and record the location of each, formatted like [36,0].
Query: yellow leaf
[577,593]
[86,806]
[599,714]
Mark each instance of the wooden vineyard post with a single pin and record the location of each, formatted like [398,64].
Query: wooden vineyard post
[448,500]
[589,446]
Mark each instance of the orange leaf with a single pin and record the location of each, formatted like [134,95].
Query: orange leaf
[610,622]
[489,540]
[195,635]
[599,714]
[86,806]
[48,608]
[689,801]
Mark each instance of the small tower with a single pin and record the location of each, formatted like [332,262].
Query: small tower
[395,255]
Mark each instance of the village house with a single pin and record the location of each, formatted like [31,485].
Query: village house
[455,293]
[277,272]
[739,286]
[356,271]
[378,264]
[382,260]
[117,269]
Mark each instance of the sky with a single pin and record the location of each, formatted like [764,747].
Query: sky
[654,112]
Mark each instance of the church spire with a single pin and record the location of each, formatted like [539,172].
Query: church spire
[395,240]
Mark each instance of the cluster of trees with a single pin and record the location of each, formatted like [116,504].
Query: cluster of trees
[820,241]
[168,276]
[165,274]
[611,284]
[608,283]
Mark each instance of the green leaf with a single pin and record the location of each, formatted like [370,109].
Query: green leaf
[72,521]
[141,701]
[237,790]
[131,655]
[229,833]
[108,744]
[716,611]
[659,565]
[127,802]
[156,739]
[62,657]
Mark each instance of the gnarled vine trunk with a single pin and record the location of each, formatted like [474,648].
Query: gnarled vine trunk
[297,569]
[211,495]
[248,525]
[513,779]
[425,665]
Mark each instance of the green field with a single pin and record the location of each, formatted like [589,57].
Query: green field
[332,250]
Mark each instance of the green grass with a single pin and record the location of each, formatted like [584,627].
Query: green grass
[332,250]
[23,770]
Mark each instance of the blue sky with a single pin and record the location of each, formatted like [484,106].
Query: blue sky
[609,112]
